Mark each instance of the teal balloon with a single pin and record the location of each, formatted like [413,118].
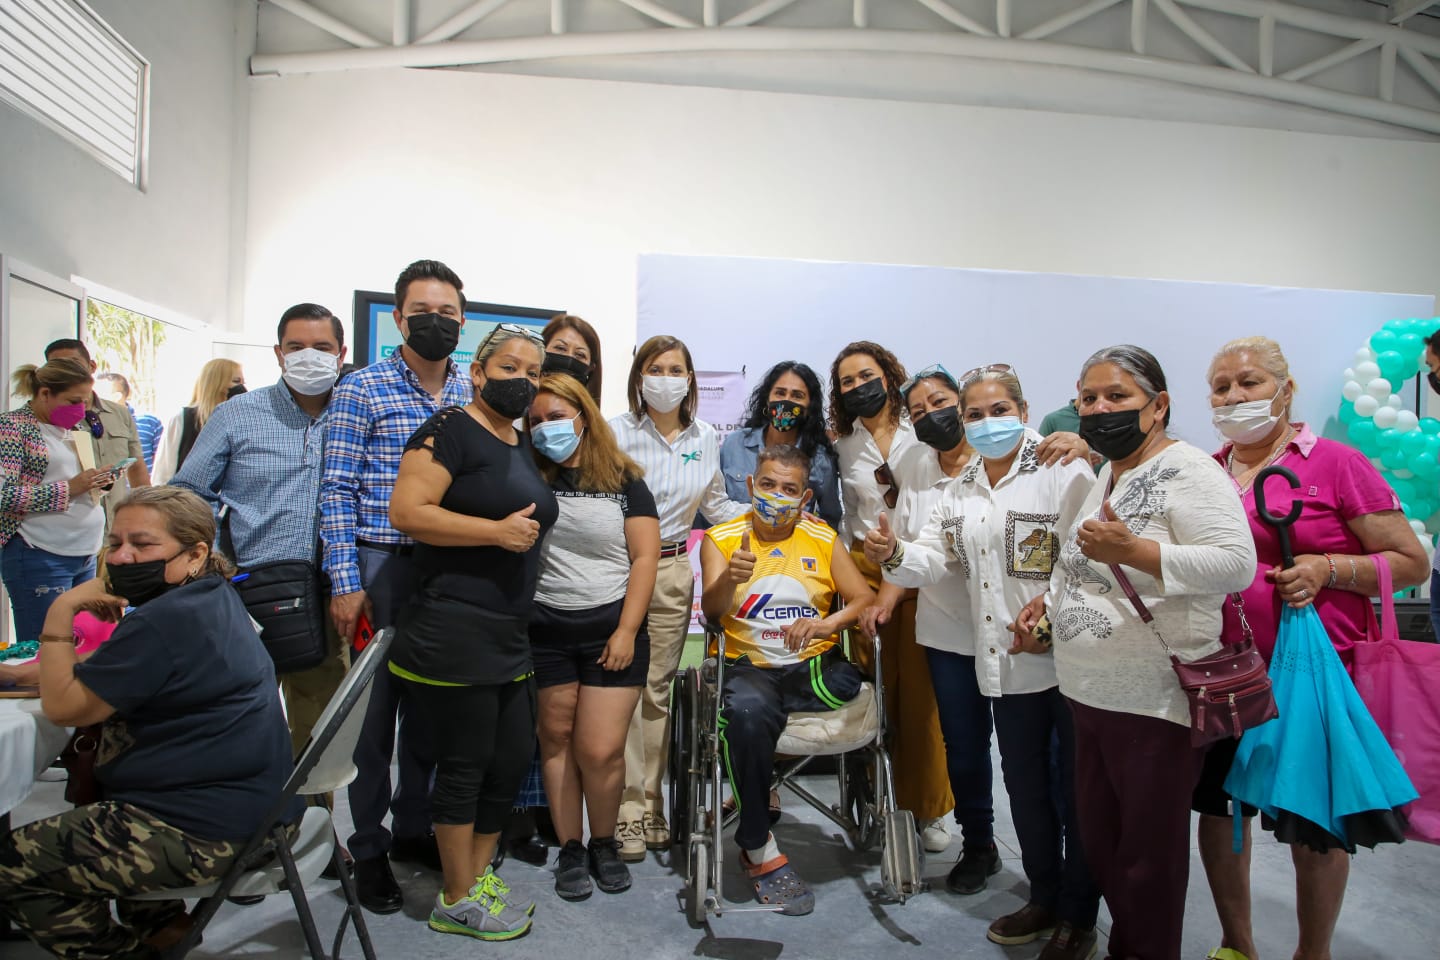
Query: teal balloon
[1388,439]
[1363,436]
[1410,344]
[1406,509]
[1412,444]
[1428,327]
[1429,425]
[1421,508]
[1393,458]
[1424,466]
[1393,366]
[1384,338]
[1404,489]
[1348,414]
[1432,446]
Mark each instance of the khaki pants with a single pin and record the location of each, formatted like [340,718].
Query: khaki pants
[917,749]
[647,745]
[308,692]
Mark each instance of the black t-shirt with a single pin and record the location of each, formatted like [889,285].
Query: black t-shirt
[198,737]
[468,623]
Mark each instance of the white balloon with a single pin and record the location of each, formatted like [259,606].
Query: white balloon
[1364,355]
[1377,463]
[1367,371]
[1394,402]
[1402,474]
[1385,417]
[1406,421]
[1418,527]
[1366,405]
[1379,388]
[1349,374]
[1352,390]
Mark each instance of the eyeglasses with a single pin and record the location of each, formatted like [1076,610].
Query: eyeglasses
[515,328]
[934,370]
[97,429]
[991,368]
[886,479]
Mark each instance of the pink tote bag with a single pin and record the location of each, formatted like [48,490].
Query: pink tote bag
[1399,680]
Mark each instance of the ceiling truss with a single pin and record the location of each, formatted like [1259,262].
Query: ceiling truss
[696,26]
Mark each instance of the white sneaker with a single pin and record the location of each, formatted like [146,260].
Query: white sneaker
[935,835]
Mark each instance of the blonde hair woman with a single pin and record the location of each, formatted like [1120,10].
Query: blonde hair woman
[588,636]
[219,380]
[50,528]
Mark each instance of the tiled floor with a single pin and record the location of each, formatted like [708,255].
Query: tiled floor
[1392,909]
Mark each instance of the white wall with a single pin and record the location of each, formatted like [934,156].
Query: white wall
[543,191]
[63,212]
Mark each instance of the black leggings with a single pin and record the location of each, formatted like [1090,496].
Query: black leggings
[483,737]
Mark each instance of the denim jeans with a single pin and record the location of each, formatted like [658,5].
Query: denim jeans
[1435,603]
[965,724]
[34,578]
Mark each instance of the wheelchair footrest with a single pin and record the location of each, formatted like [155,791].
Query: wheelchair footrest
[901,863]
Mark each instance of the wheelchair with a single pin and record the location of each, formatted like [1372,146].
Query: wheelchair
[855,734]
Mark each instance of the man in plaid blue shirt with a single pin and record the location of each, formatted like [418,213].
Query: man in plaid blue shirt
[259,460]
[373,414]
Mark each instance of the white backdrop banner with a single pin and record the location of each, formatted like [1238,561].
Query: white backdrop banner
[722,400]
[738,313]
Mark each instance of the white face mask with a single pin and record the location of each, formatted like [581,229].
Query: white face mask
[663,394]
[311,372]
[1246,422]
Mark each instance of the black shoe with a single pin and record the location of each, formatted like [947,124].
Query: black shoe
[376,887]
[609,871]
[572,879]
[975,866]
[330,873]
[421,850]
[246,901]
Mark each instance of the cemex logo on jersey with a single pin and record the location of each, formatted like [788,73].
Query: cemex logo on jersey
[756,607]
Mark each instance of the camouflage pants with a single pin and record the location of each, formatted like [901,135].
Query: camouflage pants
[58,877]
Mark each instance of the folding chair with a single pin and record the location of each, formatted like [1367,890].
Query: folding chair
[325,765]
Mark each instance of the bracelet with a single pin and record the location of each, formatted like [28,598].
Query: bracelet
[896,557]
[53,639]
[1330,560]
[1354,575]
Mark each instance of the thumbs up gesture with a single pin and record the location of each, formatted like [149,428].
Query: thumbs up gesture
[742,561]
[880,543]
[1106,541]
[518,532]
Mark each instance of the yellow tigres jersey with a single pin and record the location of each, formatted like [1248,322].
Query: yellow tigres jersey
[791,581]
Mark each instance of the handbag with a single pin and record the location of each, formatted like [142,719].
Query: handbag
[287,599]
[1397,678]
[1229,691]
[78,759]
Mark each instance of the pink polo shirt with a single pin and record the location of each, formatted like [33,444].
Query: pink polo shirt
[1337,484]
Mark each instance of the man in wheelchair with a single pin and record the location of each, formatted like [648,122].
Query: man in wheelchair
[767,577]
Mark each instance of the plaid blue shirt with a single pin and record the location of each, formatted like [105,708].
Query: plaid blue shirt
[261,456]
[372,415]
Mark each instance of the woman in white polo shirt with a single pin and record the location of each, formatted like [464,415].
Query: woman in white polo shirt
[681,457]
[999,526]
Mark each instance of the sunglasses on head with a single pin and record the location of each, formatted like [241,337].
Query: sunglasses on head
[934,370]
[515,328]
[969,375]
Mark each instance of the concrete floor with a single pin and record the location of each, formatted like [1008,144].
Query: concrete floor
[1392,909]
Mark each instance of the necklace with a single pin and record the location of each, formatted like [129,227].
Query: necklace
[1250,473]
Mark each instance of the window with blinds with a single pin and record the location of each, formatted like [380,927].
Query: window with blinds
[64,66]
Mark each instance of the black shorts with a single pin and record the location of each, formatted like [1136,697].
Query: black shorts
[1210,797]
[565,644]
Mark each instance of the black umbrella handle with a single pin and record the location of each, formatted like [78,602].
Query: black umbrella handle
[1281,523]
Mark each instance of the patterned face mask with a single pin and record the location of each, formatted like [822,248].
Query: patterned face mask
[774,509]
[785,415]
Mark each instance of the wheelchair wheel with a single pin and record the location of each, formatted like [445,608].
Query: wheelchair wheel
[683,704]
[862,809]
[699,881]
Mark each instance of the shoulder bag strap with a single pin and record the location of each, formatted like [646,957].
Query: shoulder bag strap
[1389,626]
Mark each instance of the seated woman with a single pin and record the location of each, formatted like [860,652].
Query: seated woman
[194,749]
[787,408]
[588,635]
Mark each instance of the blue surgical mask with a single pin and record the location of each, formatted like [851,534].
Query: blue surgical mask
[556,439]
[774,509]
[995,438]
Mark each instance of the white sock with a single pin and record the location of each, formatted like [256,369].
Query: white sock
[765,854]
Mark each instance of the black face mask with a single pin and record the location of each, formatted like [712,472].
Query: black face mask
[1113,435]
[235,391]
[865,400]
[568,365]
[139,582]
[509,398]
[433,336]
[940,428]
[1434,382]
[785,415]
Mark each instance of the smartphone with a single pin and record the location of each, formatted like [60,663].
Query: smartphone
[364,633]
[120,467]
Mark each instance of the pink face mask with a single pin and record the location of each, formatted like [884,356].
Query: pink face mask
[65,417]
